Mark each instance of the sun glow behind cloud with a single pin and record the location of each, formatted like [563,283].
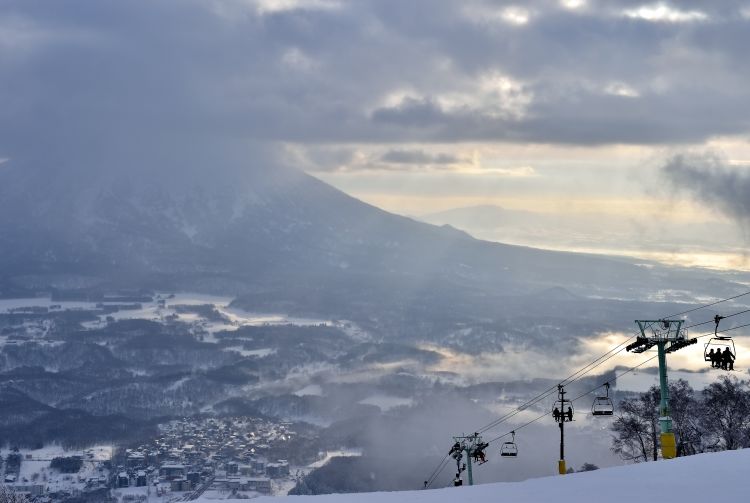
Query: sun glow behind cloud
[511,15]
[664,13]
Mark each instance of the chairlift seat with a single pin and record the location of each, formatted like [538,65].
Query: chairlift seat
[509,450]
[562,407]
[602,406]
[718,343]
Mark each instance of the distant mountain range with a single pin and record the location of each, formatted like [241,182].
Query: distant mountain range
[277,238]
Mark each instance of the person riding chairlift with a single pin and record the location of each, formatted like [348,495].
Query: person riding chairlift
[727,359]
[478,454]
[713,356]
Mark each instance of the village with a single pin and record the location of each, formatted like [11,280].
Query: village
[239,457]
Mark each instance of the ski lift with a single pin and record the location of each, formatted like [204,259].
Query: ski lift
[562,411]
[603,405]
[509,449]
[717,345]
[714,348]
[478,453]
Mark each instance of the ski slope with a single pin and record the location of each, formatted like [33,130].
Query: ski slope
[723,476]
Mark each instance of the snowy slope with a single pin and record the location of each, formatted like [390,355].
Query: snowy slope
[683,480]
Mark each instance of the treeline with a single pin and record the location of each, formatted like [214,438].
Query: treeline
[714,419]
[69,464]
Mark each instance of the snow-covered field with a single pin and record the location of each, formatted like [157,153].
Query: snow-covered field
[718,476]
[35,467]
[153,311]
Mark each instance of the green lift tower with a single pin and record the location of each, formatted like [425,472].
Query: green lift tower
[668,336]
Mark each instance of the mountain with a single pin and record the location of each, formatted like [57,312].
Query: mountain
[683,479]
[278,238]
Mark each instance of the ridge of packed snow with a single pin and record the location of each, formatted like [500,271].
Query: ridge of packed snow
[722,476]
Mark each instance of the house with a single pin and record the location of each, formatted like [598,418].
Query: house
[260,485]
[194,478]
[141,480]
[172,471]
[181,484]
[30,490]
[278,469]
[136,460]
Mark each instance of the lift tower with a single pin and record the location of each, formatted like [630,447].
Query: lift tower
[668,336]
[474,448]
[562,413]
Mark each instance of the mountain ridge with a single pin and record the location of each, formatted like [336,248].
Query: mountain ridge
[276,238]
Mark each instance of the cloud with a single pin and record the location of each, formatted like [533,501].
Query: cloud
[333,158]
[404,156]
[665,13]
[710,179]
[189,81]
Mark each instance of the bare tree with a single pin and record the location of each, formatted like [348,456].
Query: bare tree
[636,428]
[686,412]
[7,495]
[726,413]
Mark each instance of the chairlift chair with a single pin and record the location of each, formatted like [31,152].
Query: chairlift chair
[603,405]
[565,410]
[718,343]
[509,449]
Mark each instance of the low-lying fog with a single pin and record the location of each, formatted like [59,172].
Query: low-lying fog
[401,401]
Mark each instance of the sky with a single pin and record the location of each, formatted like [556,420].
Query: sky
[629,114]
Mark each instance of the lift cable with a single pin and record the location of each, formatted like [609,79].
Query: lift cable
[444,463]
[438,470]
[584,370]
[631,369]
[575,376]
[714,321]
[617,348]
[708,305]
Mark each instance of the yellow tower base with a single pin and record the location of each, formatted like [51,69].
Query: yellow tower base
[561,467]
[668,446]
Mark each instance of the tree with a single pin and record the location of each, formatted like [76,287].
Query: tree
[70,464]
[7,495]
[686,412]
[726,413]
[636,428]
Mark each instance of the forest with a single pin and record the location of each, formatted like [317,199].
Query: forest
[716,418]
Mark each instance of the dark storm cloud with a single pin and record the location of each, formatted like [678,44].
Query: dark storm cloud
[185,80]
[712,182]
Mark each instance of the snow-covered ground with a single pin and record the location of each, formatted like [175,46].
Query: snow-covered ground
[153,311]
[718,476]
[35,467]
[341,453]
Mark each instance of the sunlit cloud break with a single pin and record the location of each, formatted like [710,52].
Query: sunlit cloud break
[661,12]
